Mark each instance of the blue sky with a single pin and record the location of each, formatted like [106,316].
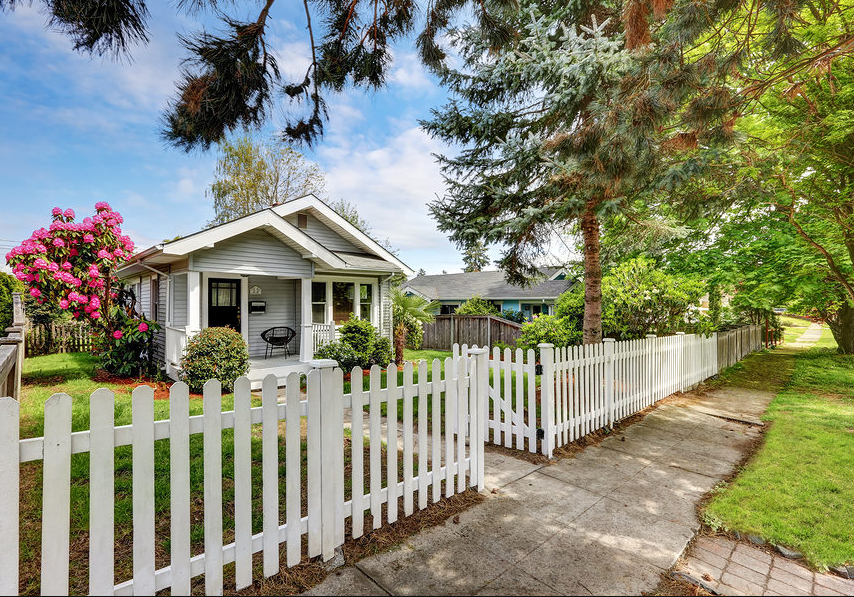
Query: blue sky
[77,129]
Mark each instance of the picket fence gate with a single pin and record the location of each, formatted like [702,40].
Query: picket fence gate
[444,456]
[582,389]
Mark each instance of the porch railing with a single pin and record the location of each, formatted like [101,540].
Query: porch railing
[321,333]
[176,342]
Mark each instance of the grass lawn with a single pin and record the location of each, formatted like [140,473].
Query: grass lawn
[798,489]
[793,327]
[75,374]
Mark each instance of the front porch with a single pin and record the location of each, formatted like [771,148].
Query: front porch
[314,308]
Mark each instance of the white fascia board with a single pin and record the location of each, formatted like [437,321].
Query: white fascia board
[312,202]
[267,217]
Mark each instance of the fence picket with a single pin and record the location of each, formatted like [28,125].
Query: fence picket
[462,419]
[507,399]
[391,456]
[357,456]
[376,447]
[293,466]
[242,483]
[142,406]
[450,412]
[10,490]
[408,395]
[101,492]
[270,474]
[212,405]
[436,430]
[179,483]
[423,415]
[532,401]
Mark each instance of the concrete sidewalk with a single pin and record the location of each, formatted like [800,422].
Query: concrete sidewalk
[607,521]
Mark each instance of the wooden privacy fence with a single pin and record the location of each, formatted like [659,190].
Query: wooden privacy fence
[54,338]
[446,464]
[472,330]
[582,389]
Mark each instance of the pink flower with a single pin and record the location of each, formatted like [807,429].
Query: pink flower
[73,252]
[69,213]
[117,334]
[118,253]
[35,292]
[58,242]
[95,315]
[88,238]
[143,327]
[63,304]
[76,314]
[102,254]
[102,206]
[95,302]
[57,211]
[53,266]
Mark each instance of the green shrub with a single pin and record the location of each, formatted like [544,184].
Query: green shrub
[383,354]
[361,336]
[8,285]
[128,349]
[477,306]
[513,315]
[550,329]
[414,332]
[214,353]
[338,351]
[369,347]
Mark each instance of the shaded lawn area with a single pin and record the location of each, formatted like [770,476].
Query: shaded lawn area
[798,489]
[793,328]
[73,374]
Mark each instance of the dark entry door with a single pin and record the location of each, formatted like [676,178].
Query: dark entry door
[224,303]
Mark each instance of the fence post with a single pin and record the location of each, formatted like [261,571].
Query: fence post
[17,336]
[609,379]
[650,368]
[331,426]
[479,382]
[547,380]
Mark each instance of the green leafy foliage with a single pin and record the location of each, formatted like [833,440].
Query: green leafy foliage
[214,353]
[339,351]
[513,315]
[127,350]
[409,313]
[369,348]
[551,329]
[8,285]
[477,305]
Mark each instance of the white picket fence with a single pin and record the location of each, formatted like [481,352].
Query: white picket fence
[443,457]
[586,388]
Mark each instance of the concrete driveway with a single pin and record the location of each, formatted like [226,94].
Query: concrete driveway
[607,521]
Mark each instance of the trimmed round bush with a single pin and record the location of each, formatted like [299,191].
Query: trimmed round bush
[214,353]
[383,355]
[338,351]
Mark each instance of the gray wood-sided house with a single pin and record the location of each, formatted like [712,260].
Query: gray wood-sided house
[298,265]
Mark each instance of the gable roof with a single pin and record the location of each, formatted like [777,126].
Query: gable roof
[488,285]
[272,220]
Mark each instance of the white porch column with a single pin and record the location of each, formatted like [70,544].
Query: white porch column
[244,308]
[306,345]
[194,302]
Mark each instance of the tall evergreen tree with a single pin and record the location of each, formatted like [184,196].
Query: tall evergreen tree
[475,257]
[548,143]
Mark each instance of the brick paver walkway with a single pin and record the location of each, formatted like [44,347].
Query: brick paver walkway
[736,568]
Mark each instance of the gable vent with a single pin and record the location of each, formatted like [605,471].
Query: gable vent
[302,221]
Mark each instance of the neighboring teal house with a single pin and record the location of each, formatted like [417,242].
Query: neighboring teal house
[451,290]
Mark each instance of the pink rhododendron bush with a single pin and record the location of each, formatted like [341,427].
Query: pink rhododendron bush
[72,265]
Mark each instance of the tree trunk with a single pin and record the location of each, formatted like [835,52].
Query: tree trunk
[842,327]
[592,326]
[399,343]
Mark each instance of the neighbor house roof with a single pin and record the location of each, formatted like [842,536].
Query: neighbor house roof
[374,257]
[488,285]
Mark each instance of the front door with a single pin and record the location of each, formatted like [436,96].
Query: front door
[224,303]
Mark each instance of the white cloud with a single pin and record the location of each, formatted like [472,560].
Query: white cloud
[391,184]
[409,73]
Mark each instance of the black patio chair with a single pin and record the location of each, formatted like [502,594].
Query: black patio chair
[277,337]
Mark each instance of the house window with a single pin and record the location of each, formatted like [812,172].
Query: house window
[532,309]
[342,301]
[155,297]
[318,302]
[366,292]
[448,309]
